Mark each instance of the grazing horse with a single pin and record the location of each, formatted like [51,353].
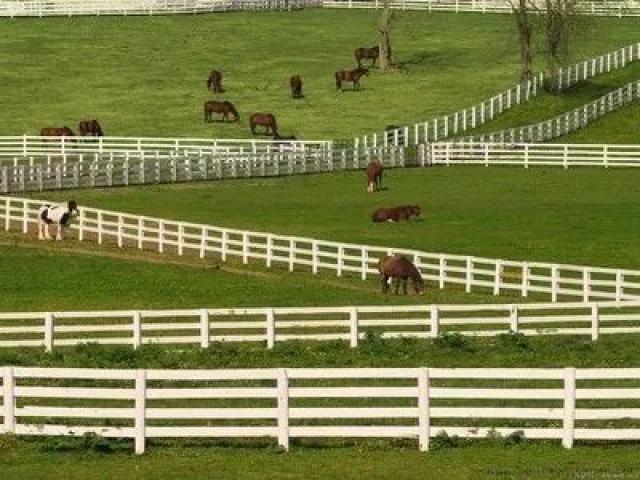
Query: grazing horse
[374,176]
[401,269]
[350,76]
[266,120]
[56,132]
[90,128]
[58,214]
[369,53]
[225,108]
[396,214]
[214,82]
[295,83]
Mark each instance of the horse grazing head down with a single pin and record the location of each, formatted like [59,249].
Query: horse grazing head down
[401,269]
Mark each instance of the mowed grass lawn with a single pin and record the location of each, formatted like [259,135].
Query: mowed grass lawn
[581,216]
[145,76]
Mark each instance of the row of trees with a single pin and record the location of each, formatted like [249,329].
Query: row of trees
[554,19]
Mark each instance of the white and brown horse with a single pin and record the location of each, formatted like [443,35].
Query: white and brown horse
[59,215]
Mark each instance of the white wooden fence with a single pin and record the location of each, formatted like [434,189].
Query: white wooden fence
[565,404]
[48,8]
[498,276]
[459,122]
[567,122]
[205,326]
[532,154]
[610,8]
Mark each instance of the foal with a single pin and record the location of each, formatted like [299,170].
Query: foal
[58,214]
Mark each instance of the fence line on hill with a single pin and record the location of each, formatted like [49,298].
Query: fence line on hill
[43,8]
[54,172]
[461,121]
[559,281]
[205,326]
[566,404]
[564,123]
[624,8]
[532,154]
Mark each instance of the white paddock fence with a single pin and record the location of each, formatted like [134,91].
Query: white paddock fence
[564,404]
[50,8]
[610,8]
[206,326]
[534,154]
[459,122]
[39,172]
[567,122]
[498,276]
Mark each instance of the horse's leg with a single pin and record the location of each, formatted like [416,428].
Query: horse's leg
[59,232]
[404,285]
[397,284]
[40,230]
[47,234]
[385,285]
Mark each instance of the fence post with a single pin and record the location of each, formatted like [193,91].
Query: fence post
[140,411]
[204,328]
[136,328]
[435,321]
[424,417]
[525,279]
[8,402]
[569,418]
[353,327]
[245,248]
[364,263]
[203,242]
[595,322]
[48,331]
[442,271]
[271,327]
[619,289]
[497,277]
[120,231]
[554,283]
[283,408]
[586,285]
[513,318]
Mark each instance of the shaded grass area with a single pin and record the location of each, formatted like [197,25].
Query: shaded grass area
[583,216]
[145,76]
[535,461]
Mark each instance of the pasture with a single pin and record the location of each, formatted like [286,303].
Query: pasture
[145,76]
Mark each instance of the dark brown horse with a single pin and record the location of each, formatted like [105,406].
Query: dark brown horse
[214,82]
[374,176]
[350,76]
[225,108]
[396,214]
[295,83]
[56,132]
[266,120]
[90,128]
[401,269]
[369,53]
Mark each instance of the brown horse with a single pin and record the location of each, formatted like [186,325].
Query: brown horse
[350,76]
[401,269]
[214,82]
[396,214]
[374,176]
[225,108]
[369,53]
[90,128]
[266,120]
[56,132]
[295,83]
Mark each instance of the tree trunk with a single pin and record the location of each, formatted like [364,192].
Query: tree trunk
[384,34]
[520,10]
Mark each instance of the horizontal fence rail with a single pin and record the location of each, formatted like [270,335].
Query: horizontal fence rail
[204,326]
[533,154]
[49,8]
[565,123]
[558,281]
[610,8]
[86,170]
[565,404]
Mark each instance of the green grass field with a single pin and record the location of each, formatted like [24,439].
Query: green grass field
[583,216]
[145,76]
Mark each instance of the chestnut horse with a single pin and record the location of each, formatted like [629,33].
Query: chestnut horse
[295,83]
[225,108]
[374,176]
[266,120]
[90,128]
[396,214]
[401,269]
[369,53]
[56,132]
[350,76]
[214,82]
